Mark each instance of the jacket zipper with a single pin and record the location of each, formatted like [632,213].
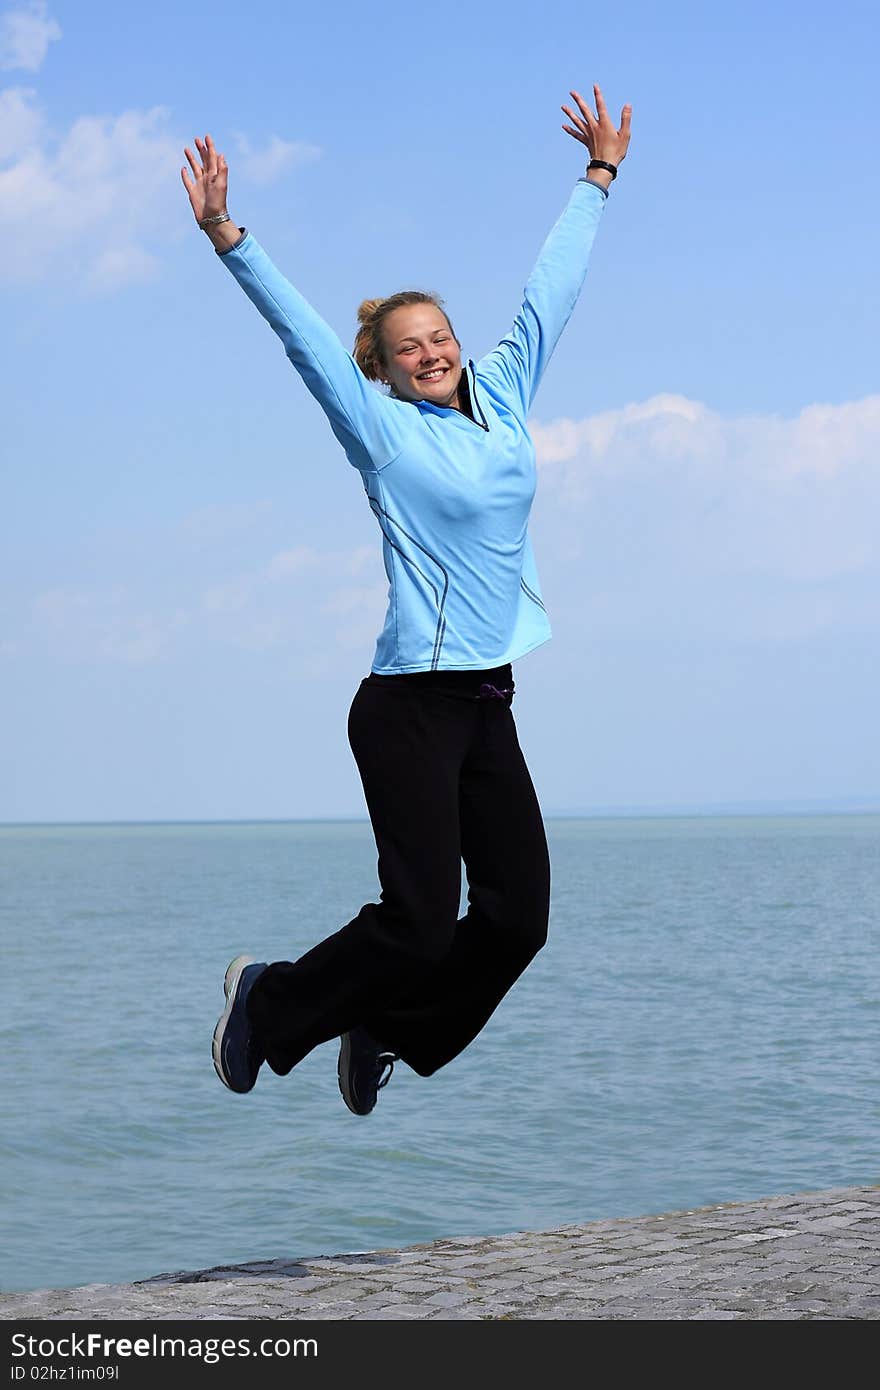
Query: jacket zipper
[472,392]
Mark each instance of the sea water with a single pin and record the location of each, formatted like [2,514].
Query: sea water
[702,1027]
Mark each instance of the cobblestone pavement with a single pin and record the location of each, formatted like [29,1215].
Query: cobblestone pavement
[809,1255]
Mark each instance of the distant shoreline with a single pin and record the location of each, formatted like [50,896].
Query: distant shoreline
[724,811]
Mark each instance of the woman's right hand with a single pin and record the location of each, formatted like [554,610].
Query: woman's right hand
[207,184]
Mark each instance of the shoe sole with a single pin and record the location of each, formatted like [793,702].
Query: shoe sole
[230,986]
[342,1071]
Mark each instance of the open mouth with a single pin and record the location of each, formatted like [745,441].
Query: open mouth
[435,375]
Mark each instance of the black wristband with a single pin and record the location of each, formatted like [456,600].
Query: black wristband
[601,164]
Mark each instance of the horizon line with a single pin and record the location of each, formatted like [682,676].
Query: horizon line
[722,810]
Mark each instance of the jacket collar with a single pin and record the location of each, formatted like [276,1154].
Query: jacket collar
[469,387]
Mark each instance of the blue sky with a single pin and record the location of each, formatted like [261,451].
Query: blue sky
[191,580]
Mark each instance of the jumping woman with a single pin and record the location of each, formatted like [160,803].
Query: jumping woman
[448,467]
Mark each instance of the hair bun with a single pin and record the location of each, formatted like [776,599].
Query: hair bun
[368,308]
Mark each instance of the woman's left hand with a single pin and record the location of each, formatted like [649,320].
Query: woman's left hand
[598,133]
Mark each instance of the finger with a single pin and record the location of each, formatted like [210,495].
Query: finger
[576,133]
[212,155]
[600,102]
[203,154]
[576,120]
[187,181]
[190,156]
[625,119]
[584,109]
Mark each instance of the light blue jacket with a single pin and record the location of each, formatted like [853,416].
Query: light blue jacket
[452,497]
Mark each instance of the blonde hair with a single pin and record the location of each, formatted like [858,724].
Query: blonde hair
[369,345]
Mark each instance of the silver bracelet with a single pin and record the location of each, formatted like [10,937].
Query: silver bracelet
[213,221]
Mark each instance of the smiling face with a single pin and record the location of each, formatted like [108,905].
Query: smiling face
[422,358]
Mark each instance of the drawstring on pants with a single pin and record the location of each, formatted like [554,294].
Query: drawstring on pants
[491,692]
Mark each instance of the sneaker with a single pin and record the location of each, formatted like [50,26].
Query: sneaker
[237,1055]
[362,1070]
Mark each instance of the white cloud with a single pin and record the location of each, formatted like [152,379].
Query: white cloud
[301,594]
[56,607]
[666,417]
[92,201]
[303,557]
[685,490]
[830,439]
[25,35]
[118,266]
[287,562]
[22,124]
[138,638]
[218,521]
[102,624]
[268,163]
[356,612]
[822,439]
[302,598]
[97,201]
[233,597]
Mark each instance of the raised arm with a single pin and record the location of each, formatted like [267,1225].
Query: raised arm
[518,363]
[370,427]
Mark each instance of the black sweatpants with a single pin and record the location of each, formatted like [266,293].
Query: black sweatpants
[444,780]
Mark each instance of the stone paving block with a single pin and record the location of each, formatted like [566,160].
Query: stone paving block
[854,1225]
[351,1288]
[422,1286]
[338,1312]
[493,1283]
[383,1297]
[448,1299]
[597,1261]
[808,1305]
[410,1310]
